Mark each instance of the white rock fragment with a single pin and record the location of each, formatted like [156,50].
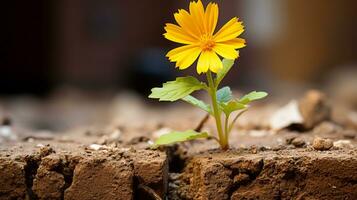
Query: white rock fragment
[96,147]
[150,142]
[40,145]
[285,116]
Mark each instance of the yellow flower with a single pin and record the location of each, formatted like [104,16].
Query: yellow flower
[196,30]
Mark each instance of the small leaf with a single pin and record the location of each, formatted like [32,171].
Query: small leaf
[232,106]
[177,136]
[198,103]
[174,90]
[227,65]
[224,94]
[252,96]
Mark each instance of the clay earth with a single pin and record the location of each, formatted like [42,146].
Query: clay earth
[311,157]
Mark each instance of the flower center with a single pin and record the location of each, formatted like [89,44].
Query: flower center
[207,43]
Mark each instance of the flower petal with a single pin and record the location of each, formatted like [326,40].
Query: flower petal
[203,62]
[226,51]
[232,29]
[215,62]
[184,56]
[209,60]
[236,43]
[187,22]
[188,59]
[197,12]
[211,17]
[177,34]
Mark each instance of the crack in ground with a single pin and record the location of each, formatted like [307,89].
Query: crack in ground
[67,172]
[31,168]
[253,174]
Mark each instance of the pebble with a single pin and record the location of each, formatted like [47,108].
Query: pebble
[40,145]
[298,142]
[314,108]
[279,147]
[96,147]
[150,142]
[285,116]
[321,144]
[343,144]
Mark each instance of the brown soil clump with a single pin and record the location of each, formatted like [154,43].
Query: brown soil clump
[286,174]
[74,172]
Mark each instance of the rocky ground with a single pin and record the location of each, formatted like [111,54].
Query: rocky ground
[300,149]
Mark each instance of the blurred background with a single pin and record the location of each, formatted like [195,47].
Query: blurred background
[112,44]
[108,46]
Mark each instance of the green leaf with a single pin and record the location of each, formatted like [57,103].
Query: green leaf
[232,106]
[252,96]
[177,136]
[198,103]
[174,90]
[224,94]
[227,65]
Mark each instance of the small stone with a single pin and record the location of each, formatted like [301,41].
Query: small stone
[314,108]
[279,147]
[343,144]
[322,144]
[150,142]
[289,139]
[40,145]
[285,116]
[96,147]
[298,142]
[289,136]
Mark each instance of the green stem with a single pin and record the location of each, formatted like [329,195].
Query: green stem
[226,131]
[217,115]
[235,119]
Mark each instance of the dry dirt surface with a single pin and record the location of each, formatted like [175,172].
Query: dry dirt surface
[312,157]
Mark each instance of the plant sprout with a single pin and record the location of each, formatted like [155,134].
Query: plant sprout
[196,32]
